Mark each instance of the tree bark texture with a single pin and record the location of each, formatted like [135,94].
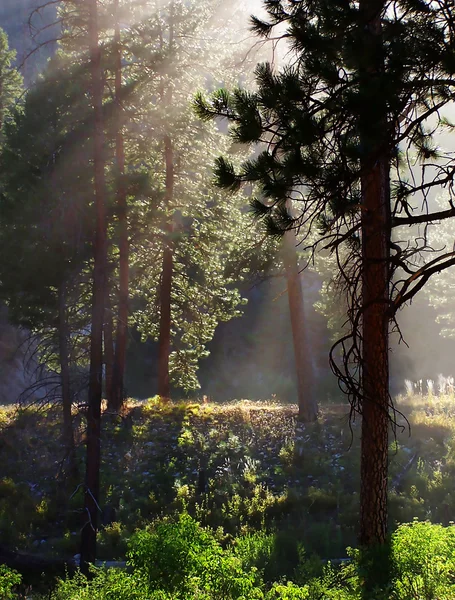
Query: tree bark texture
[91,491]
[376,222]
[308,409]
[164,340]
[68,435]
[375,372]
[118,381]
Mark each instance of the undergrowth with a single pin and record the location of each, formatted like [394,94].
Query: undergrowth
[238,469]
[178,559]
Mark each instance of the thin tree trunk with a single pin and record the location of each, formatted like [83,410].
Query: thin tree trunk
[68,434]
[92,482]
[308,409]
[375,184]
[108,336]
[164,340]
[165,298]
[118,383]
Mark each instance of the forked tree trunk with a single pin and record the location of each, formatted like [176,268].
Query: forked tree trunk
[376,222]
[164,340]
[308,409]
[68,434]
[92,477]
[118,381]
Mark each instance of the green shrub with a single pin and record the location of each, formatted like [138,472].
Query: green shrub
[288,591]
[423,556]
[106,584]
[184,559]
[9,579]
[112,541]
[255,550]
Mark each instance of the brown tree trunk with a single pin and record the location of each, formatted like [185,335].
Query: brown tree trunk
[376,219]
[92,482]
[118,383]
[108,336]
[164,340]
[68,434]
[375,372]
[308,409]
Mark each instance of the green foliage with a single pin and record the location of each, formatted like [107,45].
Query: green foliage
[9,579]
[288,591]
[423,556]
[213,245]
[10,79]
[112,541]
[46,213]
[183,558]
[105,584]
[273,487]
[255,550]
[19,511]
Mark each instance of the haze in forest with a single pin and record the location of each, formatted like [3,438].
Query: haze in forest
[429,352]
[227,272]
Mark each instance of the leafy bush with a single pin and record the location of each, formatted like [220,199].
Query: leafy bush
[9,579]
[423,556]
[112,542]
[255,550]
[184,559]
[110,584]
[288,591]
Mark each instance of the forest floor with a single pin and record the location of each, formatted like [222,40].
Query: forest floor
[241,467]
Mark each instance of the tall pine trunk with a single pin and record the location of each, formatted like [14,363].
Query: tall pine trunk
[375,221]
[92,477]
[68,434]
[375,373]
[164,340]
[308,409]
[108,338]
[118,381]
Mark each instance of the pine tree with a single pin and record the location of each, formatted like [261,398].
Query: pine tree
[119,366]
[179,234]
[93,459]
[353,105]
[43,225]
[10,80]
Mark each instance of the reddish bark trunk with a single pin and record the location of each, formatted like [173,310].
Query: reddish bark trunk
[375,285]
[308,409]
[375,373]
[91,495]
[118,383]
[164,340]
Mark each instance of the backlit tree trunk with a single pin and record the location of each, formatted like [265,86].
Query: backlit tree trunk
[91,491]
[118,381]
[165,296]
[308,409]
[68,435]
[375,293]
[108,337]
[164,340]
[376,223]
